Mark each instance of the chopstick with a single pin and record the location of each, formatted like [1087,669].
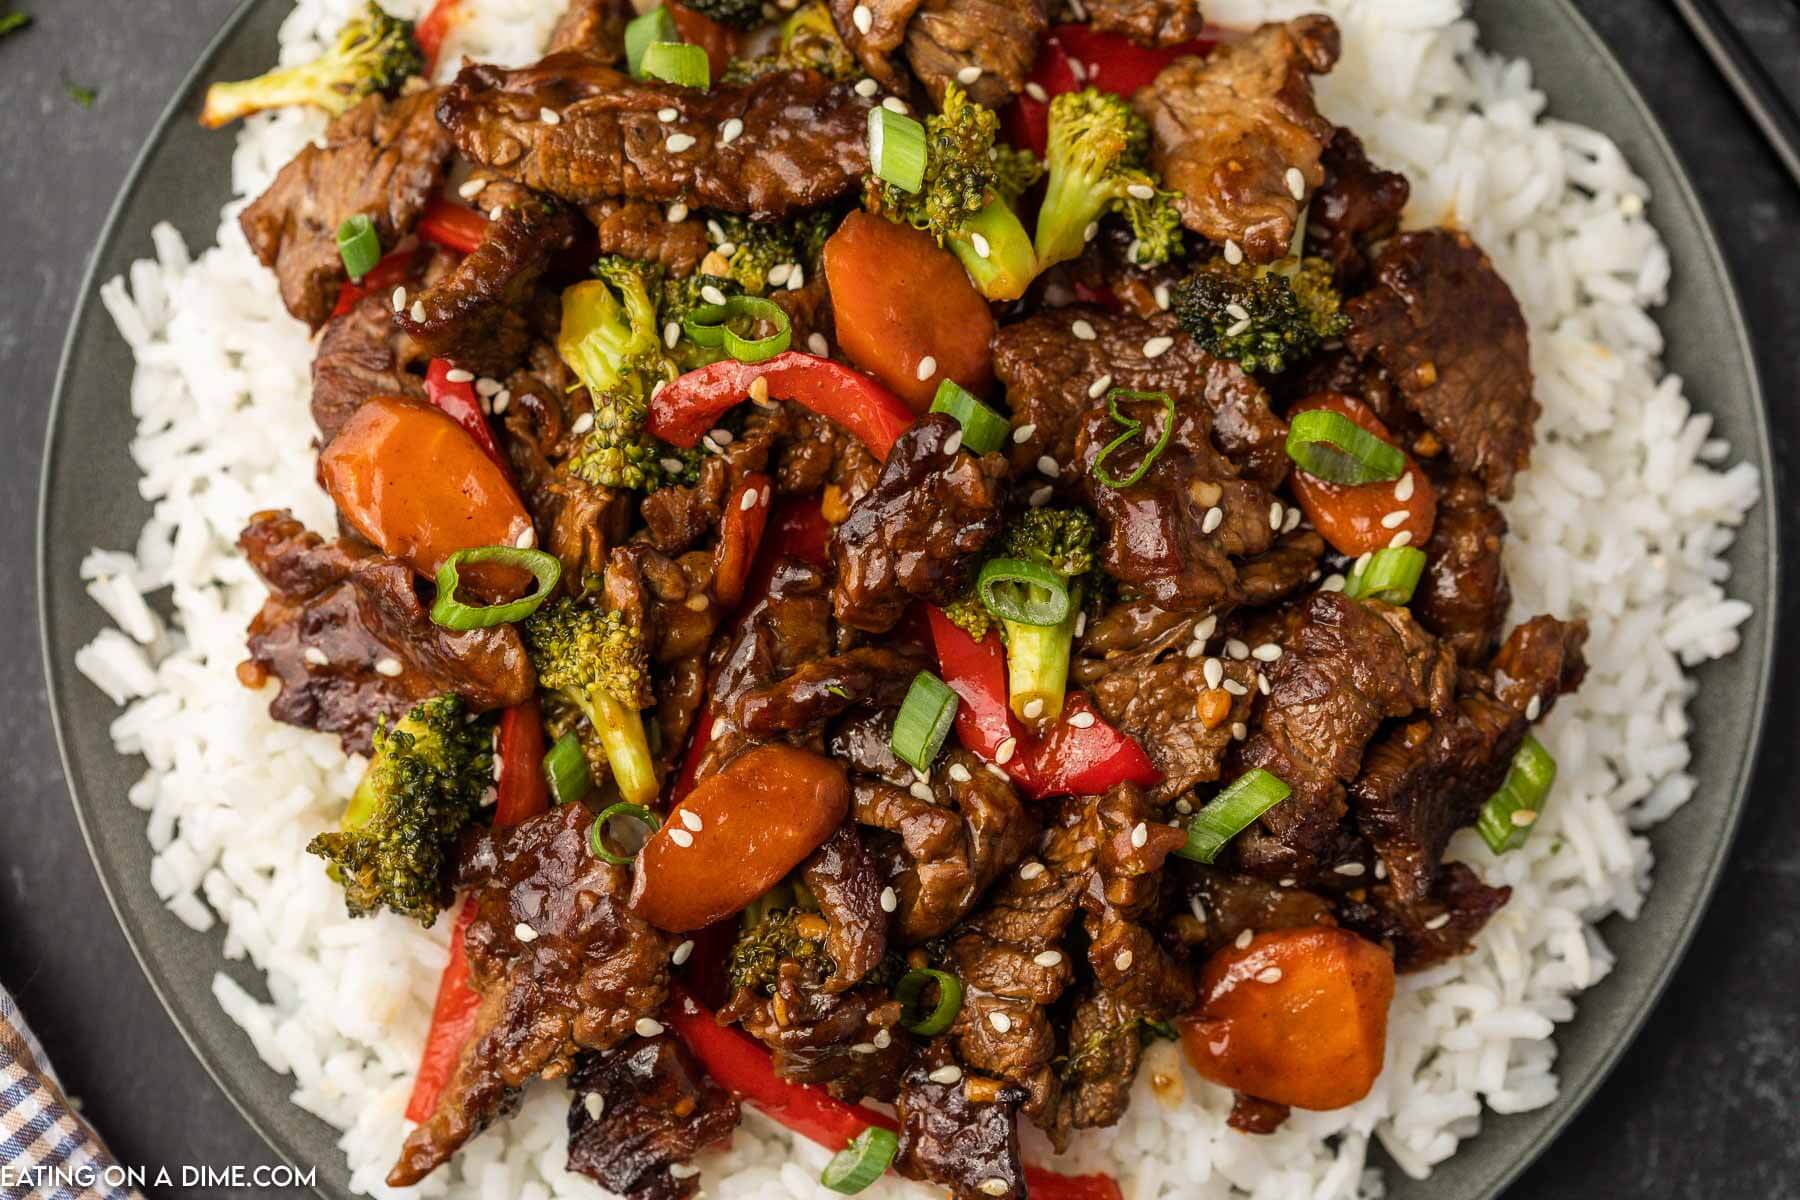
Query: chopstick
[1766,104]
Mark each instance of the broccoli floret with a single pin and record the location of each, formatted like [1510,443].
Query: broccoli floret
[963,201]
[970,615]
[373,53]
[739,14]
[593,658]
[1059,538]
[1264,318]
[398,837]
[1037,656]
[1097,164]
[760,247]
[809,39]
[779,935]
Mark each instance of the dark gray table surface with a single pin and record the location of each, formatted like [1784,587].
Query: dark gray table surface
[1706,1104]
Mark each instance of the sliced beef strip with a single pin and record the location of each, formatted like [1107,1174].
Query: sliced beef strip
[1463,597]
[640,1108]
[1346,667]
[1539,661]
[336,613]
[879,48]
[361,354]
[1160,537]
[595,28]
[918,532]
[817,452]
[845,878]
[952,1139]
[863,741]
[589,973]
[381,159]
[1427,932]
[1160,703]
[1250,1114]
[802,143]
[826,688]
[1049,364]
[1158,23]
[1358,203]
[481,317]
[851,1042]
[1448,332]
[1226,130]
[641,230]
[1225,904]
[1289,565]
[999,38]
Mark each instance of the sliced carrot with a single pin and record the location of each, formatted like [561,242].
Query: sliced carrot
[1355,519]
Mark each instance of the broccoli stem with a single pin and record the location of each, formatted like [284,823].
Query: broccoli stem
[293,86]
[1037,663]
[621,730]
[1072,202]
[1009,265]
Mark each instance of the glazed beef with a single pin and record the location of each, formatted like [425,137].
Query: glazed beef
[919,531]
[879,49]
[671,601]
[1051,365]
[1226,904]
[582,976]
[1425,933]
[1286,567]
[595,28]
[481,316]
[998,38]
[640,230]
[1148,22]
[1448,332]
[1182,712]
[381,159]
[846,880]
[345,634]
[802,141]
[1463,595]
[1539,661]
[1346,667]
[850,1043]
[361,354]
[639,1110]
[967,1143]
[1229,127]
[1358,203]
[826,688]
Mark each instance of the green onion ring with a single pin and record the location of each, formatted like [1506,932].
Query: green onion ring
[1330,446]
[710,326]
[949,1001]
[1132,428]
[862,1162]
[358,245]
[1509,814]
[566,770]
[452,613]
[984,430]
[1041,599]
[678,63]
[924,721]
[1392,575]
[597,831]
[1230,812]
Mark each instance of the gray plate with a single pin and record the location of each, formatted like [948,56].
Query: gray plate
[182,177]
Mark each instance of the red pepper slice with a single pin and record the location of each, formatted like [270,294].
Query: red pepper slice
[684,410]
[392,270]
[1069,760]
[1109,61]
[458,402]
[740,533]
[523,794]
[432,28]
[453,226]
[737,1062]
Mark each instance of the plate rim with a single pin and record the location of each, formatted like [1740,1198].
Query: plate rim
[1571,1098]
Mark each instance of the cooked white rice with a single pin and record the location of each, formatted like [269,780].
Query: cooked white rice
[1623,519]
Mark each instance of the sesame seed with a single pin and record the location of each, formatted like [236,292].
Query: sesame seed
[1082,330]
[959,773]
[524,932]
[1237,649]
[665,115]
[889,900]
[1262,683]
[316,656]
[1403,490]
[683,1170]
[595,1104]
[1524,817]
[816,343]
[1350,868]
[1194,649]
[1156,347]
[867,87]
[1141,191]
[712,295]
[1214,517]
[698,602]
[1237,312]
[486,387]
[1140,835]
[681,837]
[1080,624]
[968,75]
[1034,708]
[502,398]
[729,131]
[1394,519]
[1243,939]
[692,820]
[894,104]
[982,249]
[1238,327]
[1048,958]
[549,116]
[1267,652]
[1206,627]
[1023,433]
[921,791]
[1214,670]
[417,312]
[1239,731]
[1438,922]
[1000,1021]
[1163,298]
[1362,562]
[946,1074]
[883,1039]
[678,212]
[1296,183]
[682,952]
[748,502]
[1400,539]
[389,667]
[1040,497]
[1275,515]
[582,424]
[1380,869]
[1048,466]
[471,188]
[495,213]
[1234,254]
[671,334]
[1122,960]
[862,18]
[926,369]
[993,1186]
[1533,707]
[673,466]
[1269,975]
[1082,720]
[458,375]
[1091,232]
[1078,69]
[1099,387]
[1036,92]
[1292,522]
[863,1048]
[1236,688]
[648,1027]
[796,278]
[1003,754]
[678,142]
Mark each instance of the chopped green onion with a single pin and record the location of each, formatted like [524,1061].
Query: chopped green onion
[911,989]
[452,613]
[897,149]
[710,325]
[566,769]
[1332,447]
[1390,576]
[1507,817]
[983,429]
[1029,593]
[597,831]
[1230,812]
[678,63]
[657,25]
[1133,427]
[862,1162]
[358,245]
[925,718]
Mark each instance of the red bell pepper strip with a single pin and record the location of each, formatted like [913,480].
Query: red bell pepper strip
[432,28]
[453,226]
[1108,61]
[738,1063]
[1069,760]
[740,534]
[684,410]
[457,401]
[392,270]
[523,794]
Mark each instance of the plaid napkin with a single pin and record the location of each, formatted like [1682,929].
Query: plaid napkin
[39,1131]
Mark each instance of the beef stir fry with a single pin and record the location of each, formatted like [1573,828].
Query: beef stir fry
[862,581]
